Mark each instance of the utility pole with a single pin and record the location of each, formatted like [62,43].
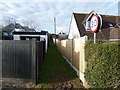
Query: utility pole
[55,28]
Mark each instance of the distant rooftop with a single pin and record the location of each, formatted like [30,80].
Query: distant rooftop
[28,33]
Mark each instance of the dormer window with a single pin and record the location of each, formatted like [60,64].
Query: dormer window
[87,26]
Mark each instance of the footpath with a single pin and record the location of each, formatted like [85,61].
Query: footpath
[56,72]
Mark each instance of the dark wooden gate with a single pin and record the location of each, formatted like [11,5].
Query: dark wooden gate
[22,59]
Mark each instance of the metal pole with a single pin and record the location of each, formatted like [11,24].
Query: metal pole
[94,38]
[55,28]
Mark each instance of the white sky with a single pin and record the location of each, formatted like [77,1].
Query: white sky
[43,11]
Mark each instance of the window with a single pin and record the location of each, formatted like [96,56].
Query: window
[110,25]
[87,26]
[29,38]
[5,34]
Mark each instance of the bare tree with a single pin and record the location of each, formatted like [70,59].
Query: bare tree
[8,20]
[30,22]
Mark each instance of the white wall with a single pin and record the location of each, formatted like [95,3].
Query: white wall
[74,32]
[42,37]
[46,40]
[16,37]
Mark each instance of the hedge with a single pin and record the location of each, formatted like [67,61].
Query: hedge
[103,64]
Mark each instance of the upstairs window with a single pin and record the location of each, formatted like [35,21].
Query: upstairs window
[87,26]
[110,24]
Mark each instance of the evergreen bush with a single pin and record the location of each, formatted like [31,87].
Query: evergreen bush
[103,64]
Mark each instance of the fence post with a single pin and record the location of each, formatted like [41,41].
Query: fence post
[1,63]
[81,73]
[66,49]
[72,51]
[60,47]
[82,65]
[33,60]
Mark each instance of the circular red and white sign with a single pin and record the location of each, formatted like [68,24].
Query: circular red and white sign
[94,23]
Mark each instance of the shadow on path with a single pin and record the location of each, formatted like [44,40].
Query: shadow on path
[55,68]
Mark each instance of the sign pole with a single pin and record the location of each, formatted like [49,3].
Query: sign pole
[94,38]
[94,25]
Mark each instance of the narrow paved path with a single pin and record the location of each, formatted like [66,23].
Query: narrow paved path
[56,72]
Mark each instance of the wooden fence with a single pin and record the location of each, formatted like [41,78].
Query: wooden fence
[73,51]
[22,59]
[0,63]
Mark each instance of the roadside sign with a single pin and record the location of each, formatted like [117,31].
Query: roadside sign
[94,23]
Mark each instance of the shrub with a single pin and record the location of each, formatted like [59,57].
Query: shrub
[103,65]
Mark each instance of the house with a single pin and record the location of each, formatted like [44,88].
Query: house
[9,29]
[18,27]
[110,29]
[44,35]
[0,34]
[19,32]
[62,36]
[39,36]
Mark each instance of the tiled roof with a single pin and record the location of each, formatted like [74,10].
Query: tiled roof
[79,19]
[8,28]
[105,32]
[87,16]
[11,27]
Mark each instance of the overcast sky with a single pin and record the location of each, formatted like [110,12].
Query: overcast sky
[43,11]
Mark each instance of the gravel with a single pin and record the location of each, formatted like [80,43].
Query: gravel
[15,83]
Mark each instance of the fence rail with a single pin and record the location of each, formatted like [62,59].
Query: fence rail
[22,59]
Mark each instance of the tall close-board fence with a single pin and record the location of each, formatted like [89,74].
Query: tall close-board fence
[73,52]
[22,59]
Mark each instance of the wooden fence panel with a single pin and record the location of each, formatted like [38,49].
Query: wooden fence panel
[63,47]
[76,52]
[16,59]
[40,57]
[0,62]
[22,59]
[69,50]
